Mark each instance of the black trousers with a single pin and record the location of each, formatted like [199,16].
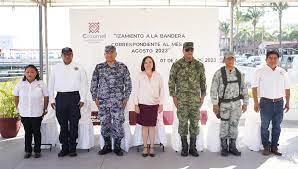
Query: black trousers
[32,127]
[68,115]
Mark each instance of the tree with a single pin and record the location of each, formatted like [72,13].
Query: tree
[239,18]
[244,37]
[224,27]
[263,35]
[253,15]
[294,35]
[279,7]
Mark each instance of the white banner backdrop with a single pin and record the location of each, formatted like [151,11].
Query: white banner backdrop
[158,32]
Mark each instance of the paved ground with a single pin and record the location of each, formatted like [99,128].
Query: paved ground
[11,157]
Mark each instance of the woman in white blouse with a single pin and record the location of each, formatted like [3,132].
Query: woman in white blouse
[31,99]
[148,101]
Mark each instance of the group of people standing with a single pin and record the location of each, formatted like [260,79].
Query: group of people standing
[111,88]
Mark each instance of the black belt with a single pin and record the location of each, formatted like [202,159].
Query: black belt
[272,100]
[68,93]
[221,100]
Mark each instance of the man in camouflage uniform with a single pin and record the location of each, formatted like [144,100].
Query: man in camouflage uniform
[110,89]
[227,90]
[187,86]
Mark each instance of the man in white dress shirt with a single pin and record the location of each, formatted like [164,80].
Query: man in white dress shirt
[271,84]
[69,81]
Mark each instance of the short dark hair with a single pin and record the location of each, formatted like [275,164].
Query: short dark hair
[273,52]
[143,63]
[37,77]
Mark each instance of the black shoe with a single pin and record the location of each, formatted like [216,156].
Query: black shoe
[192,147]
[73,154]
[107,148]
[37,155]
[63,153]
[117,147]
[184,151]
[27,155]
[224,147]
[233,149]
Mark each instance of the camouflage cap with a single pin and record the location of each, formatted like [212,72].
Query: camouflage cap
[110,48]
[187,45]
[229,55]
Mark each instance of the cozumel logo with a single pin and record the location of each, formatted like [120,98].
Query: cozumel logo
[94,27]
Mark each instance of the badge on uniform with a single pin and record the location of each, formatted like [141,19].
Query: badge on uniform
[76,68]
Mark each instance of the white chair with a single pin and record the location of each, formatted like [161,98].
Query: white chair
[126,141]
[85,130]
[252,129]
[176,139]
[49,130]
[213,140]
[160,135]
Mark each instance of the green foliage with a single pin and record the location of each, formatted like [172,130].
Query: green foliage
[7,106]
[279,6]
[224,28]
[294,35]
[254,14]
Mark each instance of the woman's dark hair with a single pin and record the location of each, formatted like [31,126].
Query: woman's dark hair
[143,63]
[33,67]
[273,52]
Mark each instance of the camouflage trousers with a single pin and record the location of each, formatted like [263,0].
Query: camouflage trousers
[230,114]
[111,121]
[188,114]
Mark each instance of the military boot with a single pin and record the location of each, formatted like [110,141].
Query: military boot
[117,147]
[192,147]
[232,147]
[224,147]
[107,148]
[184,151]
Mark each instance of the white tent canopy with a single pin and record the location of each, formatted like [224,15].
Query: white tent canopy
[140,2]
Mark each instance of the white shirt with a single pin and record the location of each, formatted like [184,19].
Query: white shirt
[68,78]
[31,98]
[271,84]
[149,91]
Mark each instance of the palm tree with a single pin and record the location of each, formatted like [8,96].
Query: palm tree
[254,14]
[224,27]
[244,36]
[279,7]
[239,18]
[263,35]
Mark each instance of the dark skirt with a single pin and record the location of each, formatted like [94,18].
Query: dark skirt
[147,115]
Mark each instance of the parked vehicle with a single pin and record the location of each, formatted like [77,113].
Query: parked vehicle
[286,61]
[254,61]
[246,55]
[241,61]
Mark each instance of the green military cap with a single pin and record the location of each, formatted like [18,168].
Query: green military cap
[229,54]
[187,45]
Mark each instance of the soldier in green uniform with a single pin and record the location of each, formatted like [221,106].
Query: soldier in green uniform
[187,86]
[227,90]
